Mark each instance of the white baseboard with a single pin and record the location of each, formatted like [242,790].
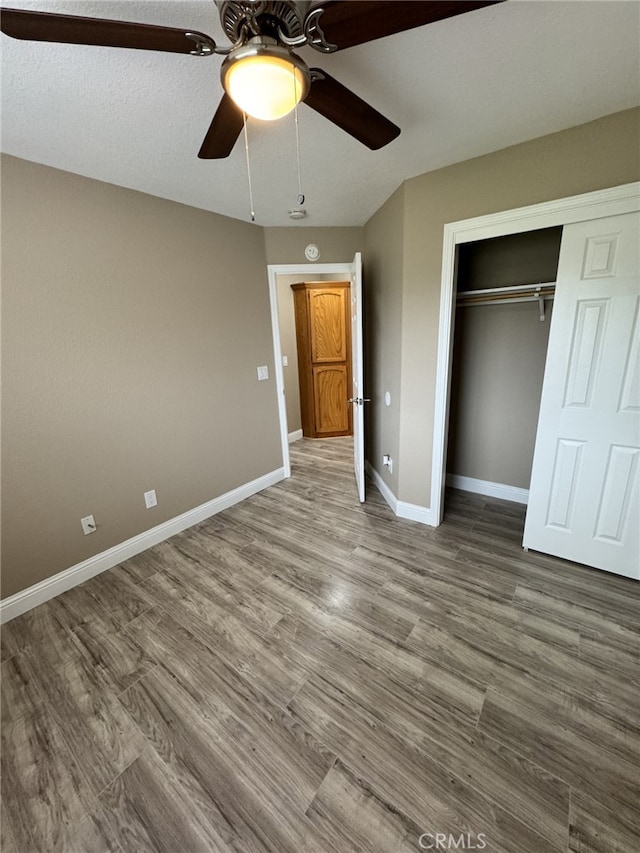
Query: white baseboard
[296,435]
[49,588]
[415,512]
[412,512]
[382,487]
[491,490]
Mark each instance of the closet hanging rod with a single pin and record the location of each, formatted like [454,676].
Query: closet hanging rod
[516,290]
[500,295]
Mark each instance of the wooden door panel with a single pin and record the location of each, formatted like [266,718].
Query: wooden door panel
[323,332]
[332,410]
[327,321]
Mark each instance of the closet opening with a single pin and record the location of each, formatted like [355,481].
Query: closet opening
[505,287]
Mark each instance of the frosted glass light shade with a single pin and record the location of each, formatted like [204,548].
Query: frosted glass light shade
[264,85]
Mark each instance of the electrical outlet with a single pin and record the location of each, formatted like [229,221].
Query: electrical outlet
[263,372]
[150,499]
[387,461]
[88,525]
[285,361]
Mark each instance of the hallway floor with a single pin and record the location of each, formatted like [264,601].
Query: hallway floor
[303,673]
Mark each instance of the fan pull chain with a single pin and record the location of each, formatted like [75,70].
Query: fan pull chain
[300,193]
[246,149]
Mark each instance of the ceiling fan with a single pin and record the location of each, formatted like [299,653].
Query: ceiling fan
[261,74]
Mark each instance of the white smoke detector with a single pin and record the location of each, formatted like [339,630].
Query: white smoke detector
[297,213]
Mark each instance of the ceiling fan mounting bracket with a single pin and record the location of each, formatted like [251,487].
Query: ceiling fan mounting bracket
[204,46]
[316,74]
[313,34]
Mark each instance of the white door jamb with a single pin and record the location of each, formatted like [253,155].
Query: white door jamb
[579,208]
[308,271]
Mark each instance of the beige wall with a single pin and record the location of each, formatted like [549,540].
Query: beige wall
[603,153]
[383,272]
[287,245]
[287,321]
[132,329]
[498,368]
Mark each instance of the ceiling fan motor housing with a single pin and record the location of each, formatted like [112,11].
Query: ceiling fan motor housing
[239,18]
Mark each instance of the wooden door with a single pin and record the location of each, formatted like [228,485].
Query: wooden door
[322,313]
[584,498]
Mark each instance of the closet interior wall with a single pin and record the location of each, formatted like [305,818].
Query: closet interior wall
[498,361]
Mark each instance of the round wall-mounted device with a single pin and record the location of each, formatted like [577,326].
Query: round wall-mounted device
[312,252]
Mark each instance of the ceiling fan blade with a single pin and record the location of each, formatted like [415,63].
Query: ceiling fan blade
[223,131]
[344,108]
[346,24]
[70,29]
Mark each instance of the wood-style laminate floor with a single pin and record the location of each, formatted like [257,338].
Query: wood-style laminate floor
[301,673]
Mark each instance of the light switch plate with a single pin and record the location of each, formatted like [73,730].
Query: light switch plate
[150,499]
[263,372]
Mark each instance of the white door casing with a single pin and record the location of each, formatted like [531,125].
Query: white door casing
[339,272]
[561,211]
[357,366]
[584,498]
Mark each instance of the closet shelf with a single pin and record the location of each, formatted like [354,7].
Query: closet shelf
[518,293]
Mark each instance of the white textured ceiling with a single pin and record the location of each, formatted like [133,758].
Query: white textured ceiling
[458,89]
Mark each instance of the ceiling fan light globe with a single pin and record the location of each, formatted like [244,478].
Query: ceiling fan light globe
[266,84]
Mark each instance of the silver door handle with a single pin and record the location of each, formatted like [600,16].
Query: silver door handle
[359,400]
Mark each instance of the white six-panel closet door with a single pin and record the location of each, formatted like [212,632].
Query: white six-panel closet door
[584,500]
